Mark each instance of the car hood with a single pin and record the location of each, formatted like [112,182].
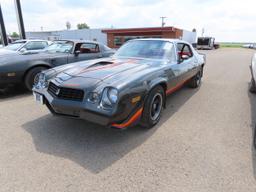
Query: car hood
[7,56]
[110,69]
[4,51]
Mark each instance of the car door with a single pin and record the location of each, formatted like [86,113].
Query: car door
[59,59]
[85,51]
[185,61]
[179,69]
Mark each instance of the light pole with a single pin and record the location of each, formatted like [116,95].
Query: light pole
[2,29]
[20,19]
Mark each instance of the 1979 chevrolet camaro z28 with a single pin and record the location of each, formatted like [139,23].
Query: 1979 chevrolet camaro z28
[120,91]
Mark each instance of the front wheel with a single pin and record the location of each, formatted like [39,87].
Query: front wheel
[30,76]
[153,107]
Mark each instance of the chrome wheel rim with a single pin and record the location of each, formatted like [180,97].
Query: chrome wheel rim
[36,79]
[156,106]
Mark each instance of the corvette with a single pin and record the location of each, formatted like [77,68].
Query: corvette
[125,89]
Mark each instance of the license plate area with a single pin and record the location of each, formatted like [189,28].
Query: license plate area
[38,98]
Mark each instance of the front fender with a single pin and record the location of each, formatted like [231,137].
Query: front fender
[158,81]
[41,63]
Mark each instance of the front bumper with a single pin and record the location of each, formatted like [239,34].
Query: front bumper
[127,114]
[12,79]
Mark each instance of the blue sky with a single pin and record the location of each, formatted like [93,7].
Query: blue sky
[227,20]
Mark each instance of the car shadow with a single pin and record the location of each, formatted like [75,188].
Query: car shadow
[13,92]
[94,147]
[252,98]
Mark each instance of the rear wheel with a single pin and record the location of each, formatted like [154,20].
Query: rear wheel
[153,107]
[196,80]
[252,86]
[30,76]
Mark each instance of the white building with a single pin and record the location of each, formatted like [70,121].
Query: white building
[82,34]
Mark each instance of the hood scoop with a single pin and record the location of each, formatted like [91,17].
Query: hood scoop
[101,63]
[63,77]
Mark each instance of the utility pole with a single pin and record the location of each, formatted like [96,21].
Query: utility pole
[163,23]
[20,19]
[203,30]
[2,29]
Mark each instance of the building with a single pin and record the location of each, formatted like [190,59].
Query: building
[81,34]
[114,38]
[117,37]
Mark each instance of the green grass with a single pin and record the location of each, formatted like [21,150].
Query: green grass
[231,45]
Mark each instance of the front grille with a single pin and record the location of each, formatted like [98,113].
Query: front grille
[65,93]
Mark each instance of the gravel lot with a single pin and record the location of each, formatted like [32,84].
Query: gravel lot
[203,142]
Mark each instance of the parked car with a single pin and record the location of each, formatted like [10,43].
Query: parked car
[249,46]
[16,67]
[253,73]
[127,88]
[26,45]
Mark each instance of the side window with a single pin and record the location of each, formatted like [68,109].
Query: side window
[184,49]
[36,45]
[118,41]
[88,48]
[168,52]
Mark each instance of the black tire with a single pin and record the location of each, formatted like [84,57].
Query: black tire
[252,86]
[30,76]
[195,81]
[153,107]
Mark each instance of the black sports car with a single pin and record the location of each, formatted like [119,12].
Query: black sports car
[127,88]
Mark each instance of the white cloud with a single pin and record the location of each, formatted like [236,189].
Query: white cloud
[227,20]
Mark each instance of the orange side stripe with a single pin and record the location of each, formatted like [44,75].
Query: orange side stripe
[131,120]
[170,91]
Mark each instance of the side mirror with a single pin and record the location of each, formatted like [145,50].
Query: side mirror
[23,50]
[184,57]
[77,52]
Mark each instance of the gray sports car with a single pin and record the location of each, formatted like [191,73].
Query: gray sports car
[127,88]
[17,68]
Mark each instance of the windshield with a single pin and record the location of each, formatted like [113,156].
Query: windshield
[14,46]
[152,49]
[60,47]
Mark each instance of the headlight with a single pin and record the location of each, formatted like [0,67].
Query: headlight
[93,97]
[113,95]
[109,97]
[40,81]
